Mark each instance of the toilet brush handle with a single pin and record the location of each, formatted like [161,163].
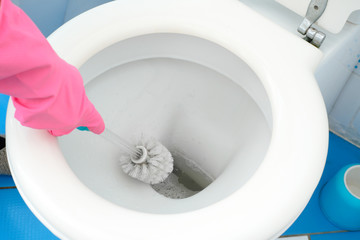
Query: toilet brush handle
[138,154]
[118,141]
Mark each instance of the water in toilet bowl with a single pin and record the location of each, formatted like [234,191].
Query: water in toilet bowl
[207,120]
[180,184]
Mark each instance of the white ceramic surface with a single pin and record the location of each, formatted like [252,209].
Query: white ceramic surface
[284,101]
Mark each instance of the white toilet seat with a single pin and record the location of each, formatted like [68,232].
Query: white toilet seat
[264,206]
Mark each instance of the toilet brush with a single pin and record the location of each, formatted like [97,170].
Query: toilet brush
[148,161]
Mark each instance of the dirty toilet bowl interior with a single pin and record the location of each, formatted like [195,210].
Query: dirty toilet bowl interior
[186,92]
[236,121]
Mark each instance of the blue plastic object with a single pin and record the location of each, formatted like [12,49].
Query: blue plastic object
[83,129]
[312,219]
[339,205]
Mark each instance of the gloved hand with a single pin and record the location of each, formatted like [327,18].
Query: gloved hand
[47,92]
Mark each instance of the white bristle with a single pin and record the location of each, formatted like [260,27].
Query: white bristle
[157,167]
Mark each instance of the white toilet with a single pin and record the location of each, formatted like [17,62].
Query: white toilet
[239,109]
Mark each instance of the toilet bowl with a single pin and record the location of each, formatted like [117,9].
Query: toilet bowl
[238,108]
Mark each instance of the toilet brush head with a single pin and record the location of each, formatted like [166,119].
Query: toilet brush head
[152,165]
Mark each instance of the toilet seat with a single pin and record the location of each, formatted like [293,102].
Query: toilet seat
[265,206]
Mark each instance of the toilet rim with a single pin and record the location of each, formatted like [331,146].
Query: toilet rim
[292,166]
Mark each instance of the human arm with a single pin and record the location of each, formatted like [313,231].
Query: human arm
[47,92]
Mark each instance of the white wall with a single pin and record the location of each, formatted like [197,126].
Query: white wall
[341,55]
[338,82]
[344,118]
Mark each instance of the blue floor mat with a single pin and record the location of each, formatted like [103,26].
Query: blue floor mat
[17,221]
[312,220]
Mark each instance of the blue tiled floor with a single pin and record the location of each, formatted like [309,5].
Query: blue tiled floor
[17,222]
[6,181]
[337,236]
[312,220]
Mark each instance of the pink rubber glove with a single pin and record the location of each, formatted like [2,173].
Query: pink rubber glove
[47,92]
